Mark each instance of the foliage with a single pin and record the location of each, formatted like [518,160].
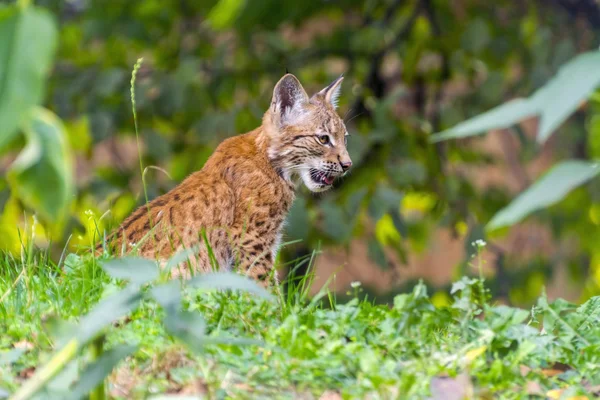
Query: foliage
[188,327]
[554,102]
[411,68]
[240,346]
[551,188]
[42,175]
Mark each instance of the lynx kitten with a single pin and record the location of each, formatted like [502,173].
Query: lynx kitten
[238,201]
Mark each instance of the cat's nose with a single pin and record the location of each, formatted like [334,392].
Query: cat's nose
[346,164]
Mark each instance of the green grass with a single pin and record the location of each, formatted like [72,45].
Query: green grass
[410,349]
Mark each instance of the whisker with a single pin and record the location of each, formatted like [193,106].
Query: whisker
[347,112]
[357,115]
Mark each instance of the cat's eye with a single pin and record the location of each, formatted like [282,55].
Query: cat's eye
[323,139]
[346,141]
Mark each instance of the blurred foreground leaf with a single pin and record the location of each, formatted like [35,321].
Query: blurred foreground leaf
[137,270]
[42,174]
[228,281]
[27,44]
[554,102]
[500,117]
[224,13]
[551,188]
[95,373]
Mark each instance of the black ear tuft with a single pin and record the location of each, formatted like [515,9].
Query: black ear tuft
[288,98]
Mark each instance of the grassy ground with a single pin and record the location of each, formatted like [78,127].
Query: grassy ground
[303,347]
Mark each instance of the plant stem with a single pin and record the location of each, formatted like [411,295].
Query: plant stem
[481,280]
[48,371]
[136,68]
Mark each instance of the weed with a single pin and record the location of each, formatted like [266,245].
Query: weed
[235,344]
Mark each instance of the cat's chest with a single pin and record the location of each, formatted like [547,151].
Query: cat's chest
[267,220]
[263,208]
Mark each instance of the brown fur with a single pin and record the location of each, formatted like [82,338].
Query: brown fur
[239,200]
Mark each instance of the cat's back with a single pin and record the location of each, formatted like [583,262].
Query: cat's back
[240,154]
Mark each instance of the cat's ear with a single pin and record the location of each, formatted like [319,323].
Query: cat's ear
[289,98]
[332,92]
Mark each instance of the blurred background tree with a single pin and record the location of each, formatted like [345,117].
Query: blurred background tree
[410,208]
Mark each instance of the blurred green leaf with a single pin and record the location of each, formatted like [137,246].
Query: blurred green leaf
[187,326]
[106,312]
[549,189]
[228,281]
[137,270]
[95,373]
[109,81]
[298,222]
[574,83]
[554,102]
[79,134]
[376,253]
[399,222]
[168,295]
[10,356]
[477,35]
[407,172]
[500,117]
[27,44]
[61,383]
[383,201]
[355,200]
[42,175]
[224,13]
[335,223]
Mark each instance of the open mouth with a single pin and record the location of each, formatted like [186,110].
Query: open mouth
[321,177]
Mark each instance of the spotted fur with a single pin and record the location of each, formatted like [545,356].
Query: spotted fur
[236,204]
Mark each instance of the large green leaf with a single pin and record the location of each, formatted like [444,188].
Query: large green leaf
[554,102]
[551,188]
[135,269]
[95,373]
[27,43]
[497,118]
[168,295]
[107,311]
[574,83]
[187,326]
[228,281]
[42,175]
